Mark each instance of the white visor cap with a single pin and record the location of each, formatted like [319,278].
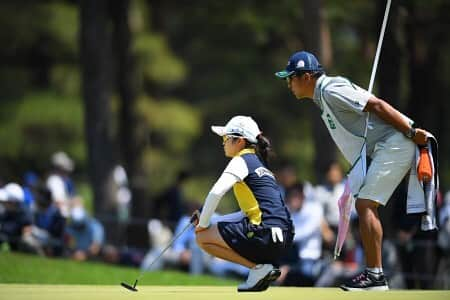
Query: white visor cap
[239,126]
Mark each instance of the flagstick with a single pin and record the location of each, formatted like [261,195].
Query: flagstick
[380,42]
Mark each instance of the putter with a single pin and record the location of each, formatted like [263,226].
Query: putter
[129,287]
[133,287]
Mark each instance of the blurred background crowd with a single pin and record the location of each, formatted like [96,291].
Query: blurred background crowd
[44,215]
[106,107]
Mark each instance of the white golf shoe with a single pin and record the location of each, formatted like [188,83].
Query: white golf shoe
[259,278]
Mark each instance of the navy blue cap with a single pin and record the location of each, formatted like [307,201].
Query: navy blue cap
[300,62]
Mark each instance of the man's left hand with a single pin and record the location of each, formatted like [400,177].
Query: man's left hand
[421,137]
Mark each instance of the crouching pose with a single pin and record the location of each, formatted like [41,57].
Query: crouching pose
[257,235]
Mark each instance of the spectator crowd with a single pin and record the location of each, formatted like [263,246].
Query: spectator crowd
[47,217]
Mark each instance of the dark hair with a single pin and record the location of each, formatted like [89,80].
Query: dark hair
[263,149]
[296,188]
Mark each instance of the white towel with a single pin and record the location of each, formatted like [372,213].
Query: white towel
[422,196]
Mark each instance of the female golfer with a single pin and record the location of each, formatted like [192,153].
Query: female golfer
[258,234]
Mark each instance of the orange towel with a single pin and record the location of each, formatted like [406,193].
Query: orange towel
[424,169]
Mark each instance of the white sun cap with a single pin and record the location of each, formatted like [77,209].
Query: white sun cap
[63,161]
[240,126]
[14,192]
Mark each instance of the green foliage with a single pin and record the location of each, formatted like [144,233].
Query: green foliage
[62,23]
[65,79]
[175,121]
[173,125]
[37,119]
[234,74]
[84,190]
[197,65]
[50,28]
[39,124]
[14,81]
[156,60]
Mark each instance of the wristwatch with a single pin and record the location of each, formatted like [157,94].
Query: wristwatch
[411,133]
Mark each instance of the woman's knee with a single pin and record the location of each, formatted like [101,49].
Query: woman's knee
[200,238]
[205,237]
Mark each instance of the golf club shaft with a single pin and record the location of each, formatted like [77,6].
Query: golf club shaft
[380,42]
[165,249]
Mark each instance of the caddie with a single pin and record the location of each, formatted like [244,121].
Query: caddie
[361,125]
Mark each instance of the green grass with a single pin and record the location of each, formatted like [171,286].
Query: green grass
[91,292]
[25,277]
[21,268]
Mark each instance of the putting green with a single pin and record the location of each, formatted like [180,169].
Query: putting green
[102,292]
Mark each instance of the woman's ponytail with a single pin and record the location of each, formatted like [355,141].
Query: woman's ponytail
[264,149]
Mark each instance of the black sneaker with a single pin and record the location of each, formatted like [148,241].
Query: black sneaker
[366,282]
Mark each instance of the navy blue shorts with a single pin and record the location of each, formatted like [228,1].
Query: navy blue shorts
[254,242]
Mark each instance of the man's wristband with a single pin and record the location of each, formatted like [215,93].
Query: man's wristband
[411,133]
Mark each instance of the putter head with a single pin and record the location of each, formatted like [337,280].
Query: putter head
[129,287]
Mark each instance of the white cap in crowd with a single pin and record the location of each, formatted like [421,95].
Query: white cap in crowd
[12,192]
[78,214]
[63,161]
[239,126]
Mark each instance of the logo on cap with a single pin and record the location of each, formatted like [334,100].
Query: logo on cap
[300,64]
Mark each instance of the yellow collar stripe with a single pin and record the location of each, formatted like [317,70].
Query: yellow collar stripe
[246,151]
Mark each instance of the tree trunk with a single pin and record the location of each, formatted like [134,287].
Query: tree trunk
[315,40]
[95,60]
[423,44]
[132,137]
